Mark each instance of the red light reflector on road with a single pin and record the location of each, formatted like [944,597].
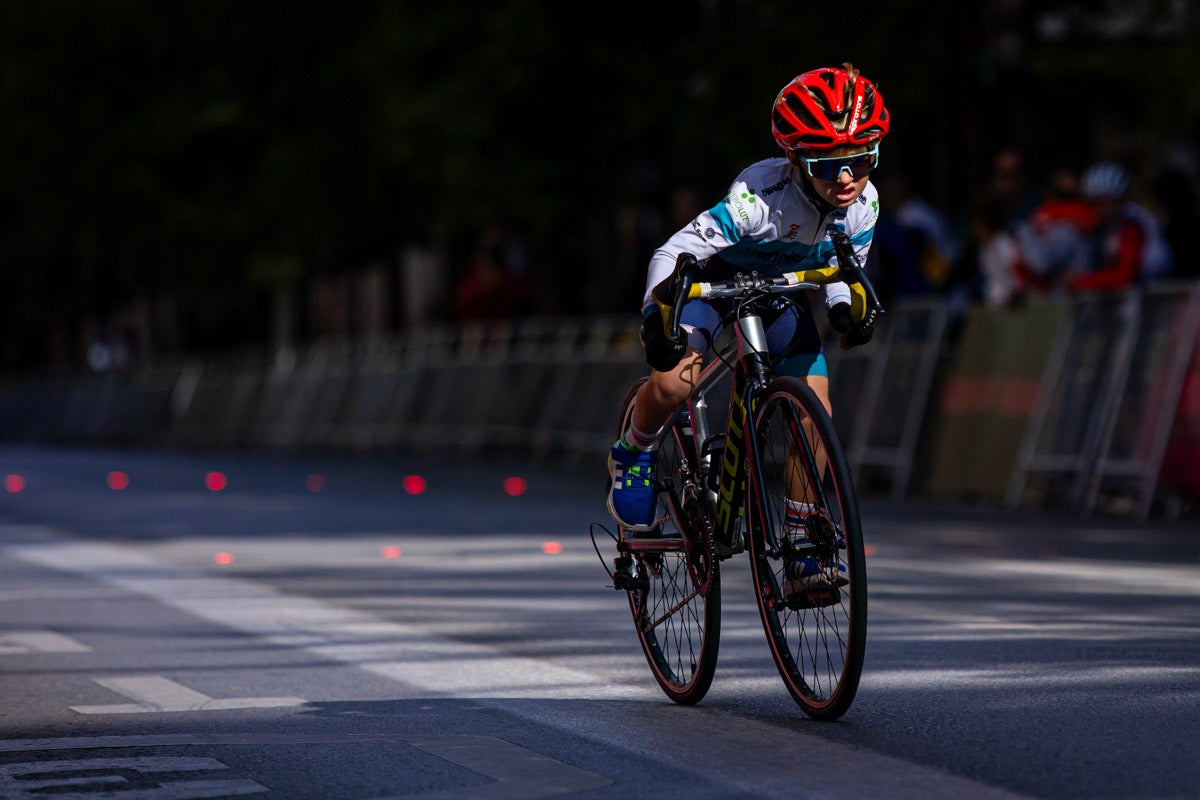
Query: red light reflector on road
[224,559]
[514,486]
[414,484]
[390,551]
[314,483]
[118,480]
[551,548]
[14,484]
[216,481]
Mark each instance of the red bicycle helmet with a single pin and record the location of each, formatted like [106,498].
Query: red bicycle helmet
[827,108]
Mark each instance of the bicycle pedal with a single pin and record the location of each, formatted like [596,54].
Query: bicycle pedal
[723,551]
[815,594]
[623,581]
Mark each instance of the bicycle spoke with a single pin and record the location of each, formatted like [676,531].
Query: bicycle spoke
[676,602]
[812,595]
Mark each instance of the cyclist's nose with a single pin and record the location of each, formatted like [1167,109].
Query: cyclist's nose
[845,177]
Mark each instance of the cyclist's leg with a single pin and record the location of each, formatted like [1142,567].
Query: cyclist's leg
[806,361]
[812,599]
[631,497]
[665,391]
[662,394]
[795,333]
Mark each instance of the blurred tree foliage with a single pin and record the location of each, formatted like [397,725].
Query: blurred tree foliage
[161,149]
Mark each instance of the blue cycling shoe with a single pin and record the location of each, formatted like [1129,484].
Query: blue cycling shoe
[811,579]
[631,494]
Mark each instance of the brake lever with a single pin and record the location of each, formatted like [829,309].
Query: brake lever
[684,266]
[848,263]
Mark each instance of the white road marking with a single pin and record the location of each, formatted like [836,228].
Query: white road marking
[712,745]
[515,771]
[42,779]
[15,642]
[402,653]
[154,693]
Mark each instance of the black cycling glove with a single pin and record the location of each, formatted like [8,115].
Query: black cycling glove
[853,333]
[840,319]
[661,353]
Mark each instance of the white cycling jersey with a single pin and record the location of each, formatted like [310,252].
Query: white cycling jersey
[768,223]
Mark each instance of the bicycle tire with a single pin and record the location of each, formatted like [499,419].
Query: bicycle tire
[675,594]
[817,635]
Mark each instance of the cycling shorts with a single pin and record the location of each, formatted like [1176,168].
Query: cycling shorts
[792,336]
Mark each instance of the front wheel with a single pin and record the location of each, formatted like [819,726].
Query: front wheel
[806,550]
[672,578]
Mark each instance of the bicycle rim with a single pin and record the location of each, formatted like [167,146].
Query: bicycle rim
[817,633]
[676,594]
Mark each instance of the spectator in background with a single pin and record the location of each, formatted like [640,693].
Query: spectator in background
[1056,240]
[1009,188]
[494,284]
[1128,245]
[917,246]
[997,256]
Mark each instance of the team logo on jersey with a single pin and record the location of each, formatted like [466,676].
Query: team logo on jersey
[775,187]
[740,201]
[703,233]
[793,229]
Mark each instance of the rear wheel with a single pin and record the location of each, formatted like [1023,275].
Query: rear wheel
[672,578]
[812,587]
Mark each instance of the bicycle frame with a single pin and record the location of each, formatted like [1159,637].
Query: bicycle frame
[745,356]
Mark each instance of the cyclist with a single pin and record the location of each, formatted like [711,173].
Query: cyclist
[778,217]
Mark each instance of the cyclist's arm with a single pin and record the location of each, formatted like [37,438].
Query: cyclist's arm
[1122,269]
[860,225]
[739,215]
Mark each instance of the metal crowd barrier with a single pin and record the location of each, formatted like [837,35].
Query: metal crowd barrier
[549,386]
[1109,399]
[881,393]
[1075,405]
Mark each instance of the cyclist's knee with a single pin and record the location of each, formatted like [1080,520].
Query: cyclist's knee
[671,388]
[820,386]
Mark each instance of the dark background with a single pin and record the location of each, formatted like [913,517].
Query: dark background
[207,175]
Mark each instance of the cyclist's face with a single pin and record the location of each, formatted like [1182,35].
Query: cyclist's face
[841,191]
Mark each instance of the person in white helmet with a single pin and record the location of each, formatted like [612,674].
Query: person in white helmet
[1128,245]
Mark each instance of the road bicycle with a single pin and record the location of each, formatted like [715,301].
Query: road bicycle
[724,490]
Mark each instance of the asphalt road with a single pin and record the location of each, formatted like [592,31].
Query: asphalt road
[215,625]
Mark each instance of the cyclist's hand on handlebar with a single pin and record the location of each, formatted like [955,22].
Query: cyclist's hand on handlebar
[854,320]
[662,336]
[840,319]
[661,353]
[858,335]
[854,332]
[860,306]
[663,296]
